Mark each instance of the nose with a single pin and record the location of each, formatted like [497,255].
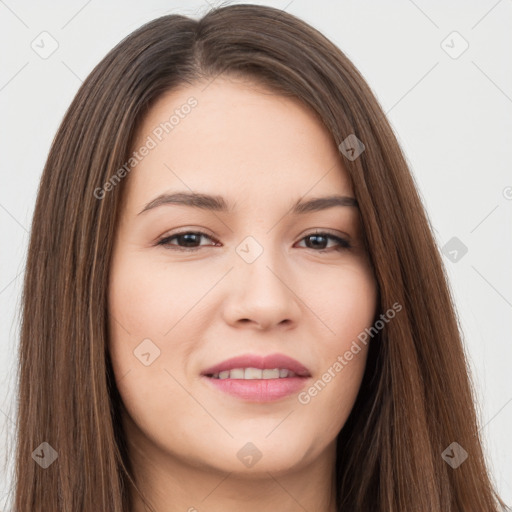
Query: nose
[261,293]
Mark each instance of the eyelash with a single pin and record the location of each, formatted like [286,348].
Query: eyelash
[343,244]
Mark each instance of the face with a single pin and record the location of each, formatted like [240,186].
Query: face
[194,285]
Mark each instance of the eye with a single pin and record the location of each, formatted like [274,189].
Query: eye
[189,239]
[318,237]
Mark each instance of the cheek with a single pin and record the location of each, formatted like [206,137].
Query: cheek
[153,309]
[147,298]
[143,306]
[347,307]
[345,300]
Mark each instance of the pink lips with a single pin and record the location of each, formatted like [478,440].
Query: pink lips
[259,390]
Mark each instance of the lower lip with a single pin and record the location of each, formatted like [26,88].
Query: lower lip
[259,390]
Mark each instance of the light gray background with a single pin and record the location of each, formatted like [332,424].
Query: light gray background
[453,117]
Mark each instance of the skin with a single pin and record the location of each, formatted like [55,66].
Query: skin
[262,152]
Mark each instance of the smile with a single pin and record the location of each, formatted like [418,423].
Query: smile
[254,373]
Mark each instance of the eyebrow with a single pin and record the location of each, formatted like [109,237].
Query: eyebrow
[219,204]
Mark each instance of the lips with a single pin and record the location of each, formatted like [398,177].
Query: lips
[259,382]
[268,362]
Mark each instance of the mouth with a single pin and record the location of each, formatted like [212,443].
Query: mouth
[256,378]
[254,366]
[254,374]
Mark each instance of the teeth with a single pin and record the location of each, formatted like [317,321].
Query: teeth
[236,373]
[270,374]
[254,374]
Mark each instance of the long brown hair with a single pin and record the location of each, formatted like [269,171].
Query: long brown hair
[416,397]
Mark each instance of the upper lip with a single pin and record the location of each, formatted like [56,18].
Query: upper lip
[269,362]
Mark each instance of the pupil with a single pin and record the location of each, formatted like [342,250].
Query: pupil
[316,237]
[189,237]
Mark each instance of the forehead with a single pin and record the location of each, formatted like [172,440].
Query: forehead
[234,135]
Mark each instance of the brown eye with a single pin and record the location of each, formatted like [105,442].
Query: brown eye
[318,240]
[189,239]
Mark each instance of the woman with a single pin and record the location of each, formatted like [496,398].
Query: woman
[266,368]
